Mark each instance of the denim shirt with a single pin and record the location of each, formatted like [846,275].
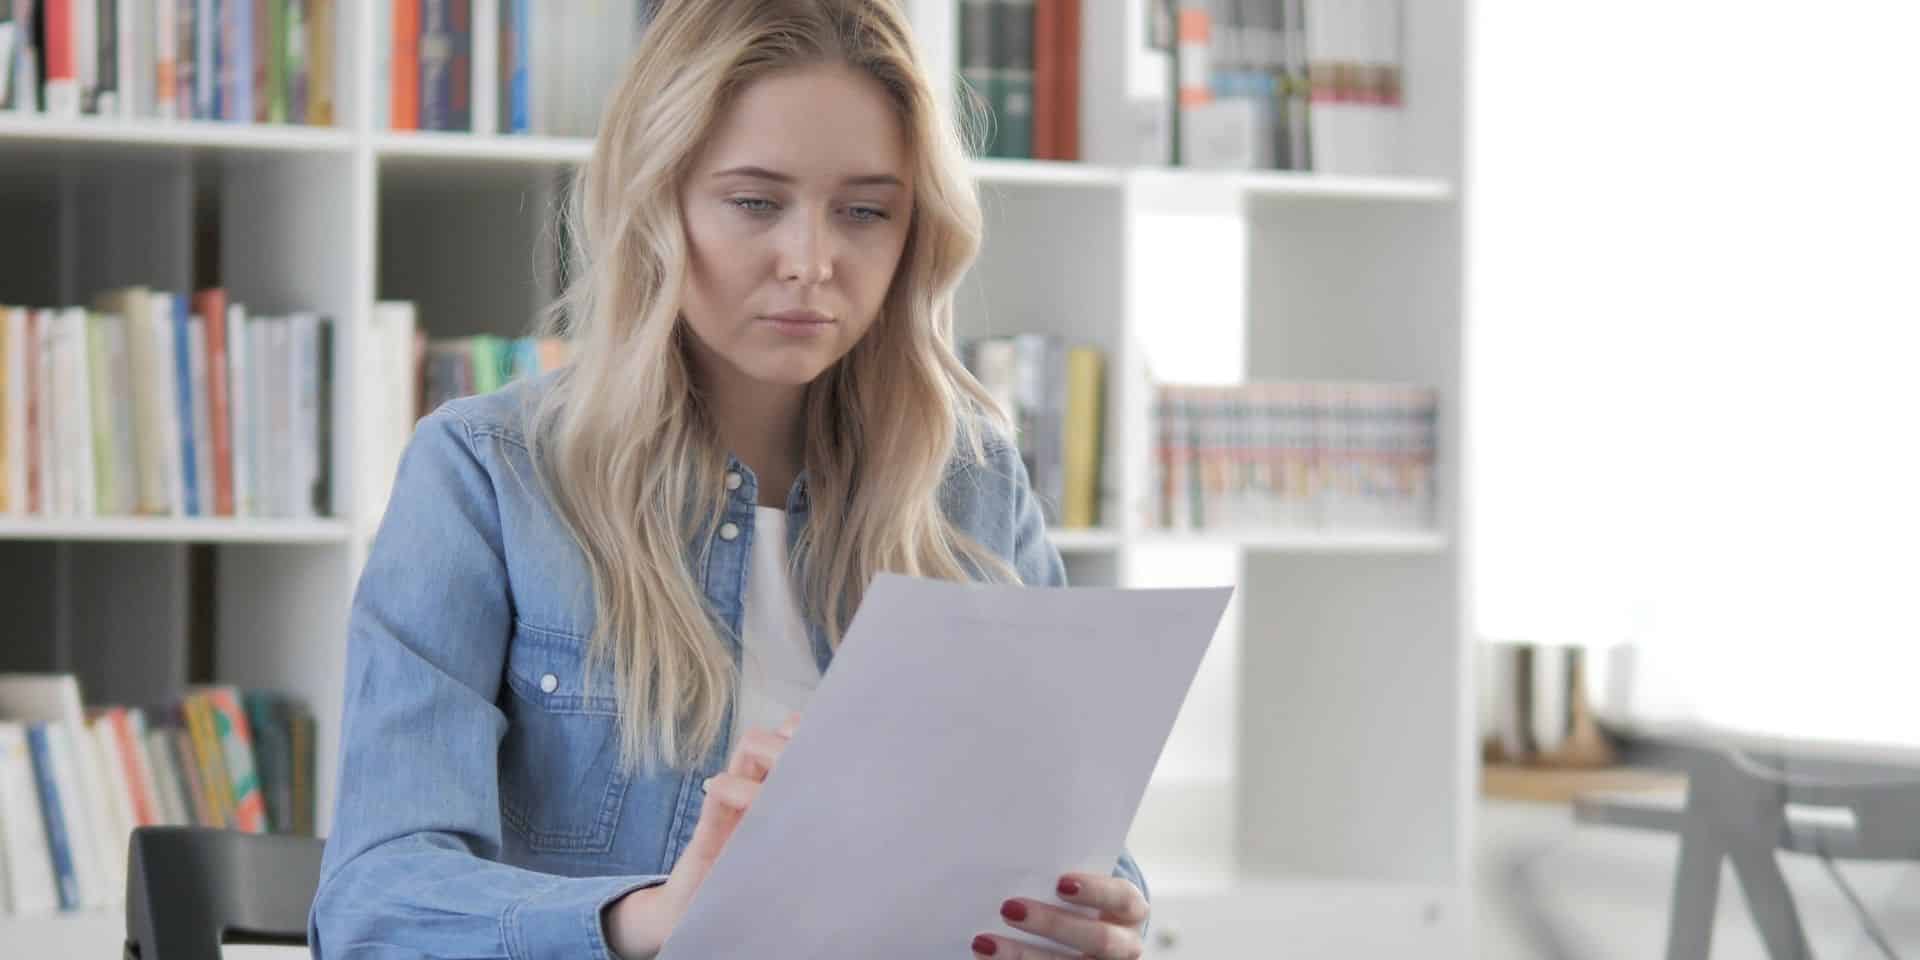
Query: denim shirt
[482,809]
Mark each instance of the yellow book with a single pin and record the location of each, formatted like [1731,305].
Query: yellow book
[1080,498]
[207,750]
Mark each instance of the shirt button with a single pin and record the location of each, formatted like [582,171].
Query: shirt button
[729,531]
[734,480]
[549,683]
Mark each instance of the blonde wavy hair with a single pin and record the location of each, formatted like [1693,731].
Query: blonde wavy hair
[625,445]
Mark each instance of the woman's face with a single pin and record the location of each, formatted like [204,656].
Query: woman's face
[796,210]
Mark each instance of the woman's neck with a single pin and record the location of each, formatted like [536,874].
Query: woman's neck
[761,424]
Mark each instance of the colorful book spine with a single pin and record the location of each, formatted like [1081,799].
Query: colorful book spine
[249,810]
[211,307]
[514,57]
[53,813]
[405,51]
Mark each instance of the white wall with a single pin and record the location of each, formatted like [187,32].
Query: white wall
[1694,323]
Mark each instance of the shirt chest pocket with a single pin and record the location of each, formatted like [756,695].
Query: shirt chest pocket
[561,783]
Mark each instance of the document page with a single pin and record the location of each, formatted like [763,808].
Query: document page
[970,743]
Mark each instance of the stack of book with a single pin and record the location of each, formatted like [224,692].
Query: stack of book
[75,782]
[1054,392]
[502,66]
[242,61]
[1020,61]
[464,366]
[1285,84]
[163,404]
[1323,456]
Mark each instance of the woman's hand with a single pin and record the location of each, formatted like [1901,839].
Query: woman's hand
[638,923]
[1113,935]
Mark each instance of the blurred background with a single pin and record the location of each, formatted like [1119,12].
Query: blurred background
[1539,373]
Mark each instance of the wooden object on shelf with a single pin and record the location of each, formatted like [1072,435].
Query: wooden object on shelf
[1526,784]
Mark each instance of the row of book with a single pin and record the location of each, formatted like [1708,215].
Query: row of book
[1054,391]
[1297,455]
[163,404]
[75,782]
[1285,84]
[502,66]
[240,61]
[1021,59]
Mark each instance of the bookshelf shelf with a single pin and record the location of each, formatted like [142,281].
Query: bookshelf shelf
[513,150]
[1046,173]
[175,530]
[1301,541]
[1086,540]
[81,933]
[181,134]
[1179,184]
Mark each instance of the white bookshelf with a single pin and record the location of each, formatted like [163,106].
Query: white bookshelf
[1324,770]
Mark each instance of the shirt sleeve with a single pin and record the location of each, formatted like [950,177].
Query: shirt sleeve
[411,866]
[1039,565]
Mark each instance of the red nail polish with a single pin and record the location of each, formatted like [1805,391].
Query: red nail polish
[984,946]
[1014,910]
[1069,887]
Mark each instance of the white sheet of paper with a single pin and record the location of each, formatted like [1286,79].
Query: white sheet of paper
[970,743]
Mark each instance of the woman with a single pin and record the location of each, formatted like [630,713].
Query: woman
[592,590]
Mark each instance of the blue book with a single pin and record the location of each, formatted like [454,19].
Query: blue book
[213,37]
[518,47]
[239,14]
[183,376]
[55,820]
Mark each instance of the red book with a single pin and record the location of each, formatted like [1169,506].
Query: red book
[125,743]
[405,110]
[1066,117]
[1047,79]
[63,84]
[211,306]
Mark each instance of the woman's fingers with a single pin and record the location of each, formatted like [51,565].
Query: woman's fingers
[1081,934]
[1117,899]
[1001,948]
[756,753]
[728,797]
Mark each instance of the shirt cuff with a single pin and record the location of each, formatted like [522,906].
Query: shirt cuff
[560,919]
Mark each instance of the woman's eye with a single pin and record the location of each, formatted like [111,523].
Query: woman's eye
[867,214]
[753,204]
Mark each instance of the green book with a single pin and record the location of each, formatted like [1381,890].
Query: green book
[276,60]
[489,362]
[1013,73]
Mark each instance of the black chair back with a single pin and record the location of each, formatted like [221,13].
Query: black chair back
[190,889]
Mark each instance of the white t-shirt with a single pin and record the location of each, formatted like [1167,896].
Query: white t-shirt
[777,670]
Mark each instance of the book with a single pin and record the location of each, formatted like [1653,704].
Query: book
[56,811]
[322,36]
[1013,53]
[209,754]
[210,307]
[1081,438]
[235,741]
[183,380]
[28,860]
